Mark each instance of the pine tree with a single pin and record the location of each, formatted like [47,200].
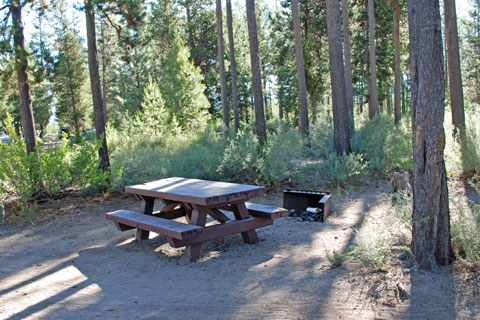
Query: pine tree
[13,9]
[182,88]
[69,76]
[261,128]
[341,135]
[431,239]
[154,116]
[42,72]
[302,87]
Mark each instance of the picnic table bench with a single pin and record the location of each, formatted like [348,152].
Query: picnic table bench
[195,199]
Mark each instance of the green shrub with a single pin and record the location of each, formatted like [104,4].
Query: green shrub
[383,144]
[243,159]
[18,170]
[55,168]
[24,177]
[321,138]
[284,149]
[341,169]
[148,157]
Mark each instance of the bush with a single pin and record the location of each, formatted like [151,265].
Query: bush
[24,177]
[281,159]
[148,157]
[383,144]
[321,138]
[341,169]
[243,159]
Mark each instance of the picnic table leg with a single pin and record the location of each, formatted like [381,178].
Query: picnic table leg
[198,218]
[188,211]
[240,212]
[146,208]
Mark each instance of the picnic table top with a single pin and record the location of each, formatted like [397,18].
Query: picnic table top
[196,191]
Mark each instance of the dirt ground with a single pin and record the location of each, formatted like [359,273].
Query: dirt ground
[74,264]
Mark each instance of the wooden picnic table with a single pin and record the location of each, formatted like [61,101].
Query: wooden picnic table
[196,199]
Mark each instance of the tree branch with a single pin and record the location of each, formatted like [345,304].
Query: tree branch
[117,28]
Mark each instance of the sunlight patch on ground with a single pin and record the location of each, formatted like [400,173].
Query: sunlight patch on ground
[27,292]
[84,297]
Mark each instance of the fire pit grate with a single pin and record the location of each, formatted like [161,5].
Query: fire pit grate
[307,205]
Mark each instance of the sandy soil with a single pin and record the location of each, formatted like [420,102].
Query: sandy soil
[74,264]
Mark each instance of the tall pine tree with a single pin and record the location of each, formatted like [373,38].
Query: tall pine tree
[69,76]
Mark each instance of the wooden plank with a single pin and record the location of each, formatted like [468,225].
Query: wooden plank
[123,227]
[177,213]
[147,208]
[221,230]
[240,212]
[199,218]
[169,207]
[195,191]
[166,227]
[218,215]
[265,211]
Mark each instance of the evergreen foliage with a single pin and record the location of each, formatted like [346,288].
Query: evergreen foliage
[69,78]
[182,88]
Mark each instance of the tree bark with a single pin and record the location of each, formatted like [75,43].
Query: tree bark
[264,89]
[341,136]
[256,76]
[348,65]
[95,85]
[280,104]
[233,65]
[22,76]
[454,72]
[373,105]
[430,217]
[302,86]
[104,67]
[313,102]
[398,72]
[221,64]
[389,100]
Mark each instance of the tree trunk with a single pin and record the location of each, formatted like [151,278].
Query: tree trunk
[264,86]
[302,86]
[389,101]
[221,64]
[341,136]
[373,105]
[22,77]
[454,73]
[256,76]
[313,99]
[348,65]
[367,64]
[95,85]
[104,67]
[280,104]
[430,218]
[398,72]
[233,65]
